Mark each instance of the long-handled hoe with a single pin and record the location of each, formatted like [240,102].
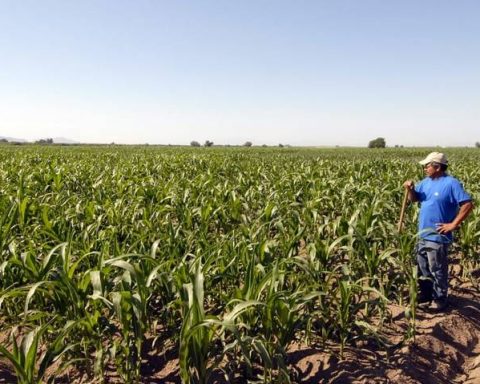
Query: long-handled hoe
[402,211]
[410,313]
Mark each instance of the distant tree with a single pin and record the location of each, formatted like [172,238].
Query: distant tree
[264,145]
[44,141]
[247,144]
[477,144]
[194,143]
[281,145]
[2,140]
[379,142]
[208,143]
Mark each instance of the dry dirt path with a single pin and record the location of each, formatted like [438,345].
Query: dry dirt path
[446,350]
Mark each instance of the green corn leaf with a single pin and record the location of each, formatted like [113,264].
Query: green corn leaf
[31,292]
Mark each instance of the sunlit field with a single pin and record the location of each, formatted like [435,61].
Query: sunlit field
[226,256]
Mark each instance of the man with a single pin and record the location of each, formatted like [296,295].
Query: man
[444,205]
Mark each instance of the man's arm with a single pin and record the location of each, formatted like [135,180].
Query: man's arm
[410,187]
[465,208]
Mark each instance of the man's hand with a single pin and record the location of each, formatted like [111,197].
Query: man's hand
[444,228]
[409,186]
[465,208]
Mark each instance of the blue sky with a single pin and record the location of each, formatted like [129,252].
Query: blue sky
[295,72]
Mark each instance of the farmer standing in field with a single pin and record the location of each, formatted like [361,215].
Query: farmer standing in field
[444,205]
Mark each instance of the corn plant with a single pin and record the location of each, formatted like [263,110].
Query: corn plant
[30,368]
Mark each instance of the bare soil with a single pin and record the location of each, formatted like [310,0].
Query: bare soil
[446,349]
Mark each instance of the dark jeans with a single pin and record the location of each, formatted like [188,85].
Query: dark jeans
[432,260]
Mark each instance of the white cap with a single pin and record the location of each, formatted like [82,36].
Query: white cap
[435,157]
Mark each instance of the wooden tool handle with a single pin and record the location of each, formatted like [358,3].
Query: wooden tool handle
[402,212]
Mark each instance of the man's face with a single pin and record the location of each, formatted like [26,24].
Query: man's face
[432,170]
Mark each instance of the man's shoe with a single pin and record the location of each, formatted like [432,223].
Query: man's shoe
[424,298]
[424,304]
[438,305]
[424,301]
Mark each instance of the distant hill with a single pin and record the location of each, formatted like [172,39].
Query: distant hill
[13,139]
[56,140]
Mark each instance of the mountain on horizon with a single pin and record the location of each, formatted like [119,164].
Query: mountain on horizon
[13,139]
[56,140]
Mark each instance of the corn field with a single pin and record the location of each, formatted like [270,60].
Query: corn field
[226,255]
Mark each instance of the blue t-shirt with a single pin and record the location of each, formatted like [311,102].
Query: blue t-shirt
[439,202]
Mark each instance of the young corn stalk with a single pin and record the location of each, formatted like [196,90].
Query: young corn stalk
[30,366]
[196,334]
